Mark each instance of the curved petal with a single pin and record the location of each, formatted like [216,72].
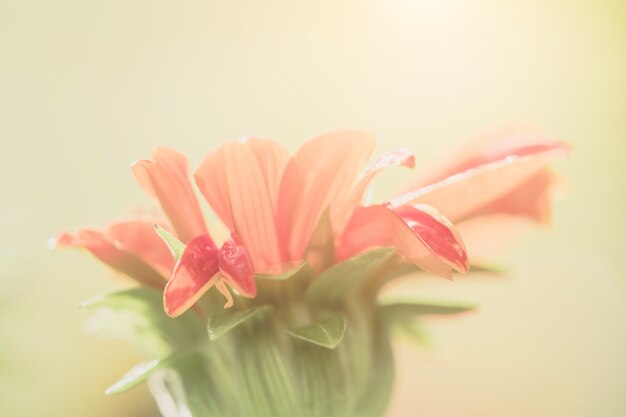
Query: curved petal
[488,172]
[319,175]
[240,181]
[236,268]
[195,272]
[140,238]
[500,224]
[417,233]
[100,244]
[532,199]
[165,178]
[398,157]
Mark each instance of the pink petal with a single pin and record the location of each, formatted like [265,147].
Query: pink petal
[195,272]
[320,252]
[532,199]
[240,181]
[419,234]
[114,255]
[140,238]
[320,175]
[398,157]
[236,268]
[486,173]
[165,178]
[500,224]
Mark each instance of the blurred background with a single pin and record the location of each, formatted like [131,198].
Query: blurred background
[86,87]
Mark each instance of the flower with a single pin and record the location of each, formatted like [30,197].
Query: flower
[309,333]
[284,210]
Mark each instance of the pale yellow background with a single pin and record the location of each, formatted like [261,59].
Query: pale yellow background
[88,86]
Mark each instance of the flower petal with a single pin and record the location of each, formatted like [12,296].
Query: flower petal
[140,238]
[532,199]
[236,268]
[319,175]
[195,272]
[114,255]
[417,233]
[437,232]
[500,224]
[489,171]
[398,157]
[240,181]
[165,178]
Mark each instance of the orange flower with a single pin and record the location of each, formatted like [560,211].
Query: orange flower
[283,210]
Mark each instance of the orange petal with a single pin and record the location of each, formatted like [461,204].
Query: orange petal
[532,199]
[240,181]
[140,238]
[398,157]
[195,272]
[419,234]
[236,268]
[116,256]
[165,178]
[500,224]
[320,175]
[488,172]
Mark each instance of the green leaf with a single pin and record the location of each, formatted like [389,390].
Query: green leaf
[137,315]
[339,281]
[402,309]
[140,373]
[491,269]
[476,271]
[135,299]
[221,324]
[287,275]
[415,332]
[176,246]
[326,333]
[134,377]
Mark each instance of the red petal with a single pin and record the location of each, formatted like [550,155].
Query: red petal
[437,233]
[427,239]
[194,274]
[236,268]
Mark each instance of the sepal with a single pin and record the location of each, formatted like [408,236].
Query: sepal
[221,324]
[175,246]
[140,373]
[326,333]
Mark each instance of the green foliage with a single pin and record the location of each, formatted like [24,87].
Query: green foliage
[326,333]
[302,267]
[176,246]
[306,346]
[342,280]
[404,315]
[401,309]
[223,323]
[137,315]
[141,372]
